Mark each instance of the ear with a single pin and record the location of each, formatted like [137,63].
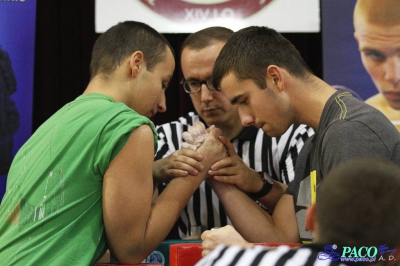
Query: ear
[311,220]
[275,75]
[136,61]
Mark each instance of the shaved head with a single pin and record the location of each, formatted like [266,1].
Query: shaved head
[381,12]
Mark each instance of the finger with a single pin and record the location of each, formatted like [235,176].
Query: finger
[205,234]
[224,171]
[210,128]
[177,173]
[196,135]
[190,153]
[201,128]
[189,165]
[194,131]
[188,137]
[229,146]
[225,179]
[188,146]
[223,163]
[216,132]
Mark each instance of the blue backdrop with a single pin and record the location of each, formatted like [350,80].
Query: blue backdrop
[17,39]
[341,60]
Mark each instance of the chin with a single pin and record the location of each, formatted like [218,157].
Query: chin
[395,105]
[210,121]
[272,132]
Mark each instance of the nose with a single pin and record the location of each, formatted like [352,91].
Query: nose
[206,94]
[246,117]
[393,70]
[162,105]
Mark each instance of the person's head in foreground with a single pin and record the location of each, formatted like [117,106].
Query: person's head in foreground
[377,31]
[358,207]
[138,61]
[260,71]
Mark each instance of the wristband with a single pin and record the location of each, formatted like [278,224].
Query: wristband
[267,186]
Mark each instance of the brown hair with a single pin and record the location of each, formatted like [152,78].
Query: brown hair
[123,39]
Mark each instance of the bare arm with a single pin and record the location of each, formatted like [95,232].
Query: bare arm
[183,162]
[233,170]
[252,222]
[135,227]
[180,163]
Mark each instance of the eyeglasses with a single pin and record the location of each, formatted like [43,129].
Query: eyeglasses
[193,86]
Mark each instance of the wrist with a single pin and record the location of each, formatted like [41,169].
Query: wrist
[266,187]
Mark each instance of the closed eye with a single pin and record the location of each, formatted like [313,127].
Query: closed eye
[164,86]
[243,101]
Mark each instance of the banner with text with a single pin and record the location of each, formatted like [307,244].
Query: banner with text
[17,40]
[187,16]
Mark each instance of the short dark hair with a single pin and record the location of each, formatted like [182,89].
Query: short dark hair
[206,37]
[121,40]
[358,204]
[249,52]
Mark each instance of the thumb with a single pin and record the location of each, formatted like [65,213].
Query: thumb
[228,145]
[215,132]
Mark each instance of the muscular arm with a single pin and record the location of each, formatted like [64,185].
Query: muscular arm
[134,226]
[180,163]
[253,223]
[171,161]
[232,170]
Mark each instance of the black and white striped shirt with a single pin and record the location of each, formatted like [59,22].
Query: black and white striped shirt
[261,256]
[275,156]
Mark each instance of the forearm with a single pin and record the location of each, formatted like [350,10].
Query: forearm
[143,239]
[157,175]
[271,199]
[248,218]
[134,225]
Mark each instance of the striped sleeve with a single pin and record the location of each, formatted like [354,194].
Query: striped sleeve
[287,148]
[170,135]
[261,256]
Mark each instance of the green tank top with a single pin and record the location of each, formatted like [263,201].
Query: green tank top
[51,213]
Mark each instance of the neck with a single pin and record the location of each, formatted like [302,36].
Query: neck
[309,100]
[107,86]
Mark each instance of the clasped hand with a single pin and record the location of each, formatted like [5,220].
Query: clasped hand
[231,169]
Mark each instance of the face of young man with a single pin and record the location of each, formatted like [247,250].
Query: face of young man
[212,106]
[380,53]
[267,109]
[149,94]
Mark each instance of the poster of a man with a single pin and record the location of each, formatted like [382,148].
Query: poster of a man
[377,31]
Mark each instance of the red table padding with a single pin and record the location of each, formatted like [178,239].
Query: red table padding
[188,254]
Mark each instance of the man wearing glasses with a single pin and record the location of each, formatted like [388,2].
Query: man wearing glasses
[259,165]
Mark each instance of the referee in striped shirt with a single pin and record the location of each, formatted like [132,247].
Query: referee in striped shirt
[362,188]
[258,164]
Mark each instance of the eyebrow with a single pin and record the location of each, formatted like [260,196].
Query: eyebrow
[235,99]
